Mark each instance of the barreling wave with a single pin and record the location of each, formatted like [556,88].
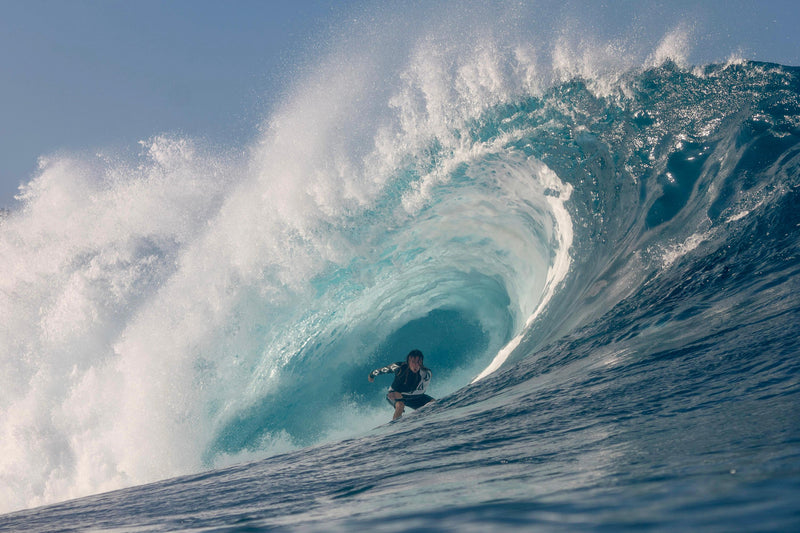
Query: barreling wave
[189,308]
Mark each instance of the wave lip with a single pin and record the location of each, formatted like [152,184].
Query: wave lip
[489,204]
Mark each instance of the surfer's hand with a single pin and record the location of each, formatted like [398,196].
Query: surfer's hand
[370,378]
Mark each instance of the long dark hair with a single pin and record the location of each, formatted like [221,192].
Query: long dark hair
[415,353]
[407,370]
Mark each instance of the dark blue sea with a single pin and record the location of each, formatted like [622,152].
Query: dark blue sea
[602,267]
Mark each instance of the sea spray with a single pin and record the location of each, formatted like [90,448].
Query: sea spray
[186,308]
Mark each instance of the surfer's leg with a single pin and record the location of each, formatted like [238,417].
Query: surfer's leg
[396,398]
[399,406]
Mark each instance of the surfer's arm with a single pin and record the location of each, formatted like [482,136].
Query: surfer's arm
[425,375]
[385,370]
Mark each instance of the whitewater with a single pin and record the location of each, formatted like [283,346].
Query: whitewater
[594,243]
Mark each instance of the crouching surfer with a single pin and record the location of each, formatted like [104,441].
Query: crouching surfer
[411,379]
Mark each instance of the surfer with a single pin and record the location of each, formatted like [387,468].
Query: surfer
[410,381]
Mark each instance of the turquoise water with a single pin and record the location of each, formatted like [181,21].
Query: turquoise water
[601,270]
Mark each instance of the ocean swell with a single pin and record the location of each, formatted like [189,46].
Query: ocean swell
[185,309]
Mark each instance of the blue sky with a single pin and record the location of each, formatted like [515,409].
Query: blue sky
[83,75]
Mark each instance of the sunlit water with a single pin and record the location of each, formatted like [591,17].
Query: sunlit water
[617,245]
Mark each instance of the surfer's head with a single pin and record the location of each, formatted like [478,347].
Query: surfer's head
[414,360]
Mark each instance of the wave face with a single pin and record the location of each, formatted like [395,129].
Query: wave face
[611,251]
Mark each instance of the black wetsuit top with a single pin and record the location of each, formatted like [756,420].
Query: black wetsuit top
[406,381]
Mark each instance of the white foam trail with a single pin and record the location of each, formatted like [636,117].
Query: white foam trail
[557,272]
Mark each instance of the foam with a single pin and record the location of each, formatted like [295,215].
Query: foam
[152,299]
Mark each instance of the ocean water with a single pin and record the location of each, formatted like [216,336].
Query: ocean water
[599,258]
